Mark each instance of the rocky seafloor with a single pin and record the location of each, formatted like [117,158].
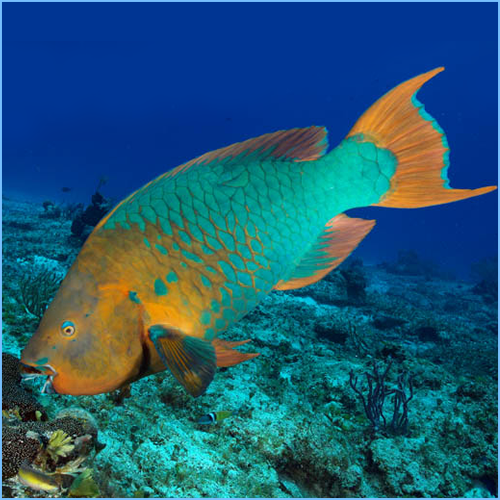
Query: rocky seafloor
[299,428]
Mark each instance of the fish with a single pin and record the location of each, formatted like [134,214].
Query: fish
[214,417]
[65,189]
[36,480]
[177,262]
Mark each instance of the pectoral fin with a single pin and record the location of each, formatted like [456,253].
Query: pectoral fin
[191,360]
[341,236]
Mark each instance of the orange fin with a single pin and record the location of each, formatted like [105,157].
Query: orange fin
[399,122]
[191,360]
[300,144]
[341,236]
[228,356]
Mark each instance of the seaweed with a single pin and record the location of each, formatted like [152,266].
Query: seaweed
[37,291]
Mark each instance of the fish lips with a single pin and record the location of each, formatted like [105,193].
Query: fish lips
[29,372]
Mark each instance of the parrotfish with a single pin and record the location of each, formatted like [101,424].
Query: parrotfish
[177,262]
[214,417]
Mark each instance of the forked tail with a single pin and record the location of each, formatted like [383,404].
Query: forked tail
[398,122]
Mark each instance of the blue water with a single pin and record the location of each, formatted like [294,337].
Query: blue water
[132,90]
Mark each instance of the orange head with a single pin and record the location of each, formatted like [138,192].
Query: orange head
[89,340]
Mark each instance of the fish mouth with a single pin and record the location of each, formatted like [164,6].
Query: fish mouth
[29,372]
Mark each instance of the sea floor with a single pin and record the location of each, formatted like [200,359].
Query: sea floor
[299,429]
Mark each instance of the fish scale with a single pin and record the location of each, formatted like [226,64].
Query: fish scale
[184,257]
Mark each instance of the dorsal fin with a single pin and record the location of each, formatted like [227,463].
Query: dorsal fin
[341,236]
[299,144]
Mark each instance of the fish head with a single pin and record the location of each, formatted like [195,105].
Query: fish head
[89,339]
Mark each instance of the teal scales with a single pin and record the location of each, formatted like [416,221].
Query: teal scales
[259,215]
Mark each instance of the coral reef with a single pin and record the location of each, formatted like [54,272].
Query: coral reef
[51,210]
[56,447]
[355,281]
[298,429]
[85,220]
[16,449]
[36,291]
[409,263]
[16,401]
[373,401]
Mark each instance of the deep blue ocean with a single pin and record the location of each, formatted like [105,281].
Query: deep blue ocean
[131,90]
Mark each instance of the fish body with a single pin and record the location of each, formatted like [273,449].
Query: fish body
[214,417]
[190,253]
[36,480]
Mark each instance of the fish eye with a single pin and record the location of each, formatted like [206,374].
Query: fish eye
[68,328]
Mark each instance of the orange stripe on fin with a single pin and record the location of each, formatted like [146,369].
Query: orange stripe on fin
[399,122]
[341,236]
[228,356]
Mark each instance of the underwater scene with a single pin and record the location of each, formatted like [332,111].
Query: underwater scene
[249,250]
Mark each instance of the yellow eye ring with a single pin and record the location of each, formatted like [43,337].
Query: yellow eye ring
[68,328]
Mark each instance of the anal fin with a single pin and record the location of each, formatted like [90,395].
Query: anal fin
[191,360]
[341,236]
[228,356]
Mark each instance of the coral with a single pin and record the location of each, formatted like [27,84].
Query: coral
[37,289]
[60,445]
[84,417]
[427,333]
[84,486]
[355,282]
[91,216]
[34,442]
[23,226]
[409,263]
[488,290]
[373,401]
[485,269]
[51,210]
[77,226]
[403,474]
[15,400]
[70,210]
[17,448]
[11,310]
[318,468]
[385,322]
[343,329]
[299,429]
[332,331]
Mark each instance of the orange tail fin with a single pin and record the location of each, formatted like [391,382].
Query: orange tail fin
[399,122]
[228,356]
